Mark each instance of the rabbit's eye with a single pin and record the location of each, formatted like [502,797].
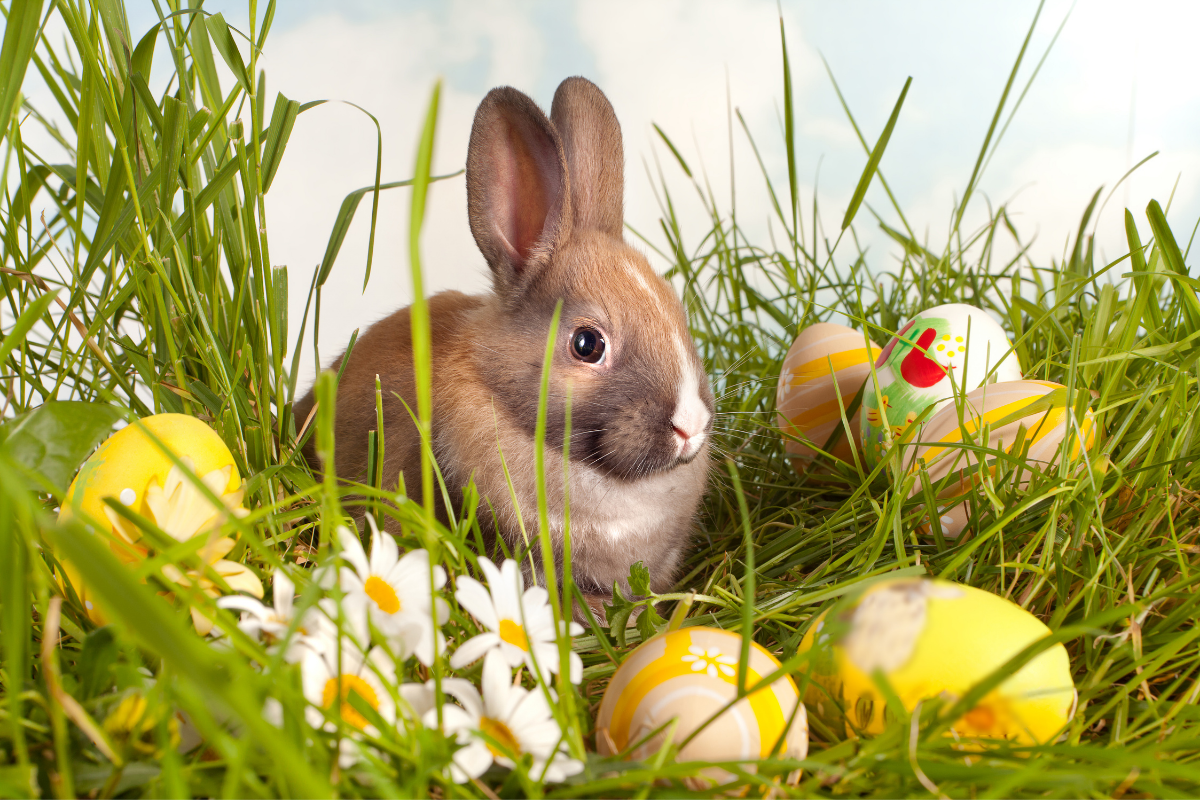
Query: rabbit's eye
[587,345]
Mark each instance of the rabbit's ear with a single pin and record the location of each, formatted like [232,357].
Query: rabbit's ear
[518,199]
[591,138]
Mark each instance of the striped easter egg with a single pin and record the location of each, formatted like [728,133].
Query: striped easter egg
[822,371]
[1037,407]
[689,675]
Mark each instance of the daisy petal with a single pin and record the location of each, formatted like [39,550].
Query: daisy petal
[352,550]
[470,650]
[473,597]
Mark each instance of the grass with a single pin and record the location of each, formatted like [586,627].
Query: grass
[127,302]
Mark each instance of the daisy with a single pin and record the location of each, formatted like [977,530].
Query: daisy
[501,727]
[366,675]
[317,629]
[521,625]
[395,592]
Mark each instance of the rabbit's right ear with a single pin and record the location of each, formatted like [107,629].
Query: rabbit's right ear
[518,197]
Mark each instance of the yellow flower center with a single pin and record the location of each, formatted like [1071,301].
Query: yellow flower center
[349,683]
[514,634]
[502,736]
[383,594]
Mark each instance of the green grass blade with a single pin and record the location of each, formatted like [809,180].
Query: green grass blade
[20,36]
[860,191]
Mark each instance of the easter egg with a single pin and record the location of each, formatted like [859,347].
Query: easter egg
[933,638]
[942,350]
[124,467]
[822,371]
[688,675]
[1031,413]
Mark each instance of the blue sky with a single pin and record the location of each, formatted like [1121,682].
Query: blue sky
[1119,84]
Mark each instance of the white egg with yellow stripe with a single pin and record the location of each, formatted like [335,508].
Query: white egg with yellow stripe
[1031,414]
[688,676]
[822,371]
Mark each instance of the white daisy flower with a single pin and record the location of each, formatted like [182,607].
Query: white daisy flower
[365,675]
[395,592]
[317,629]
[520,622]
[504,725]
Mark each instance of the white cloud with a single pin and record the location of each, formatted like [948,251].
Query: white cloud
[387,66]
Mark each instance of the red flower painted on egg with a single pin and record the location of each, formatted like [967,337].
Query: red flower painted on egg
[918,368]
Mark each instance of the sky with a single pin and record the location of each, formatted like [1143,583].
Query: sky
[1118,84]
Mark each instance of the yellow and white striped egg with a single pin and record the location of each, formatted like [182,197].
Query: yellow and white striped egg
[689,675]
[1004,408]
[822,371]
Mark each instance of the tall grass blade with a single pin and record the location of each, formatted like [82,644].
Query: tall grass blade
[864,182]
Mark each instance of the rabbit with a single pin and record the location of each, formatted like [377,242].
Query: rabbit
[545,204]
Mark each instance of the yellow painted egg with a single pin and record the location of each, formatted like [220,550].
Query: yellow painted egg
[826,363]
[1037,407]
[688,675]
[125,466]
[940,351]
[933,638]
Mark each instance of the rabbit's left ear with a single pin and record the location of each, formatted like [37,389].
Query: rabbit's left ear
[591,140]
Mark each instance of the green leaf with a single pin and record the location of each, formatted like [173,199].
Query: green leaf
[345,215]
[222,39]
[1174,258]
[649,623]
[20,35]
[639,579]
[683,164]
[52,440]
[282,120]
[873,162]
[16,334]
[100,651]
[617,614]
[19,781]
[789,127]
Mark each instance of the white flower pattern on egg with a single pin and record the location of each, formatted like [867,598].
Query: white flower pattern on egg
[710,660]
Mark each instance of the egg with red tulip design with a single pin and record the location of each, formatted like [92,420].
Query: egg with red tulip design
[944,350]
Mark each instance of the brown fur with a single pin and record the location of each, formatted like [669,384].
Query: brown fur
[545,207]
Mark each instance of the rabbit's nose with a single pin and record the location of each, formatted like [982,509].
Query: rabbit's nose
[690,423]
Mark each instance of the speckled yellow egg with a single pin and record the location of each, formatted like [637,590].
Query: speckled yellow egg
[822,371]
[1033,413]
[933,638]
[688,675]
[124,466]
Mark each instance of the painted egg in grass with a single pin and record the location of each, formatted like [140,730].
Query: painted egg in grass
[933,638]
[822,371]
[1025,418]
[689,675]
[128,464]
[942,350]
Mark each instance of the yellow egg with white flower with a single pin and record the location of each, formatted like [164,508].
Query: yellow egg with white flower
[931,639]
[132,468]
[674,683]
